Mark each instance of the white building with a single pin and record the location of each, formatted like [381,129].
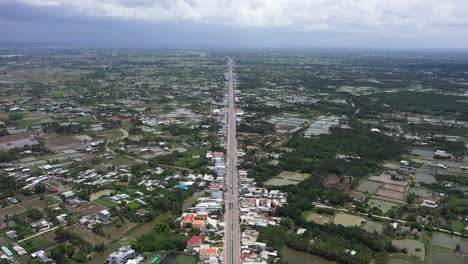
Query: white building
[122,255]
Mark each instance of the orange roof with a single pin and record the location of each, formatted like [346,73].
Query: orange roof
[209,250]
[197,222]
[188,218]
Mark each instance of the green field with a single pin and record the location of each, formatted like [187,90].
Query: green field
[133,205]
[457,225]
[105,202]
[35,243]
[287,178]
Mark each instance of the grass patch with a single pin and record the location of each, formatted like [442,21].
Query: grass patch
[35,243]
[304,214]
[217,244]
[121,160]
[183,259]
[457,226]
[133,205]
[87,120]
[63,92]
[287,178]
[105,202]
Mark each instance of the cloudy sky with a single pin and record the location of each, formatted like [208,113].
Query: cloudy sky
[237,23]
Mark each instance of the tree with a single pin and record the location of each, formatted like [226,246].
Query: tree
[58,253]
[34,214]
[15,116]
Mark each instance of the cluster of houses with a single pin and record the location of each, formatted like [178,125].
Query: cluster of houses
[89,221]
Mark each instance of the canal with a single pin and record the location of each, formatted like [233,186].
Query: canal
[297,257]
[191,199]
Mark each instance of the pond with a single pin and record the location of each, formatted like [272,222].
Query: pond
[427,153]
[449,241]
[297,257]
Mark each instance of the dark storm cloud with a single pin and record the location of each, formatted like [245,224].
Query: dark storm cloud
[242,23]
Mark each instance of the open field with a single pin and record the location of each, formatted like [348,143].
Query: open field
[115,232]
[384,206]
[386,178]
[372,226]
[41,242]
[97,195]
[105,202]
[402,259]
[391,194]
[39,204]
[12,210]
[27,118]
[444,257]
[347,219]
[179,259]
[287,178]
[369,187]
[425,177]
[448,241]
[457,225]
[414,247]
[318,218]
[87,235]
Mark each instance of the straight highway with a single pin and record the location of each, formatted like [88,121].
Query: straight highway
[232,228]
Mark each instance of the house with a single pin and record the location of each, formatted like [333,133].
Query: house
[20,250]
[52,189]
[122,255]
[429,203]
[194,242]
[7,252]
[188,219]
[40,225]
[142,212]
[207,253]
[104,215]
[62,219]
[12,235]
[67,195]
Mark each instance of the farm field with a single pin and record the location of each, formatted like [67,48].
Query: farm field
[448,241]
[414,247]
[383,205]
[369,187]
[87,235]
[318,218]
[443,257]
[347,220]
[372,226]
[98,194]
[287,178]
[179,259]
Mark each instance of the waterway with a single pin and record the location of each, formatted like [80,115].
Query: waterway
[297,257]
[191,199]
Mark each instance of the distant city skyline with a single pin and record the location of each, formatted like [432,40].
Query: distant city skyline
[236,24]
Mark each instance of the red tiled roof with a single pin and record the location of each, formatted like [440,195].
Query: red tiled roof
[210,251]
[194,239]
[188,218]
